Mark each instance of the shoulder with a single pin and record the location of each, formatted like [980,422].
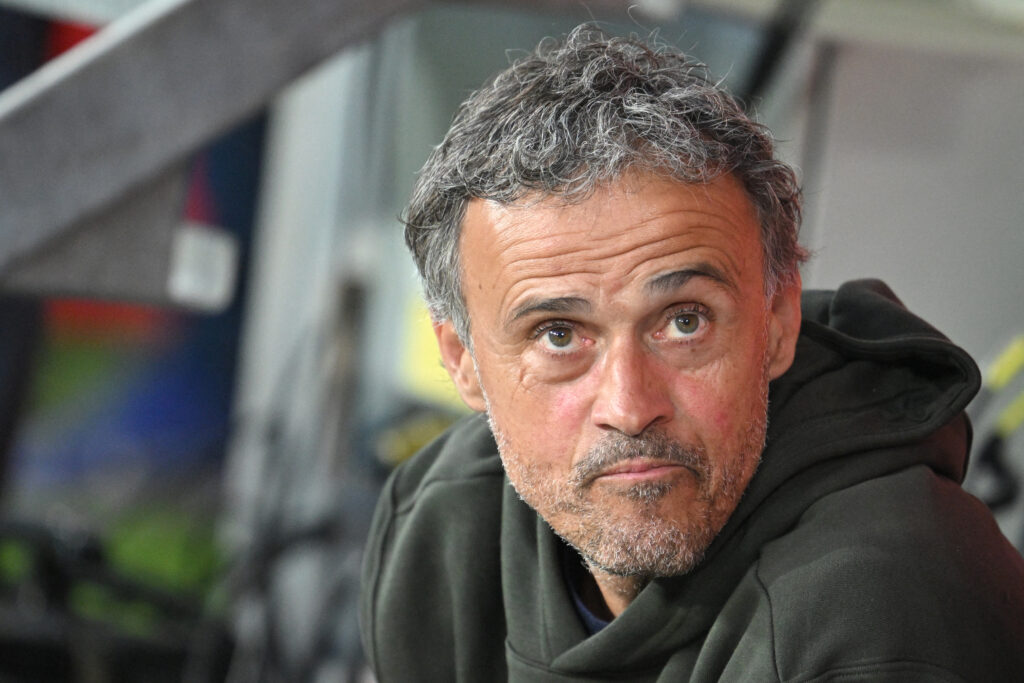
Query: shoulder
[903,570]
[453,485]
[444,500]
[432,556]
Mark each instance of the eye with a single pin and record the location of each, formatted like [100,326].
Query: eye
[557,338]
[685,324]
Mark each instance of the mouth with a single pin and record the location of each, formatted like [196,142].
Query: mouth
[651,458]
[640,470]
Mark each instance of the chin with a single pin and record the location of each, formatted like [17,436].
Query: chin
[641,534]
[648,551]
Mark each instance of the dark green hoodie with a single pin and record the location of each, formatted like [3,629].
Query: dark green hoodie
[853,555]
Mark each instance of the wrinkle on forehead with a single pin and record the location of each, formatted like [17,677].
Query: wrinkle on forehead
[607,268]
[590,248]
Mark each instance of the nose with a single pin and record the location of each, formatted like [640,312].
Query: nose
[633,392]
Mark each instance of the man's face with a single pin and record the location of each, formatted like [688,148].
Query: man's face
[622,349]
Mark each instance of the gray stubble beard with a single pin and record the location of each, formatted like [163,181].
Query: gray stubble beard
[645,545]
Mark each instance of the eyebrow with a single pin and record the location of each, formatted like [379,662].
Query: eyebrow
[561,304]
[660,284]
[669,282]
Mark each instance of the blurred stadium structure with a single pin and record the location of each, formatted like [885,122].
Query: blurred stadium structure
[294,366]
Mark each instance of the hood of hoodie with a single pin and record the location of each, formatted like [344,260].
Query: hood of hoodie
[873,390]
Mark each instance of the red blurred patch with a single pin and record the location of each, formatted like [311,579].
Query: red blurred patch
[121,323]
[200,205]
[64,35]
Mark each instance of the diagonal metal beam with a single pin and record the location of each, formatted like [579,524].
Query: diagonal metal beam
[86,141]
[93,127]
[121,250]
[108,117]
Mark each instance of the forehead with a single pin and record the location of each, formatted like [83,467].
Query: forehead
[625,235]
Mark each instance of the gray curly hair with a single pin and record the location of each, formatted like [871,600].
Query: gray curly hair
[577,113]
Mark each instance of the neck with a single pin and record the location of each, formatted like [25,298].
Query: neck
[612,593]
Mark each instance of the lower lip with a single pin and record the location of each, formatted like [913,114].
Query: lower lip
[643,474]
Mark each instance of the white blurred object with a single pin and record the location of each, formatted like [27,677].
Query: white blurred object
[204,266]
[662,10]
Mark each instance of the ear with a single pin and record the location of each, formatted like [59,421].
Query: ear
[784,327]
[458,361]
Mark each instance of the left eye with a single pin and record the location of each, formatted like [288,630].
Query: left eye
[684,324]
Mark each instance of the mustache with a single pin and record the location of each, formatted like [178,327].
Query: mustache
[653,445]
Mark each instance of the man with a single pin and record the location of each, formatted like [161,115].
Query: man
[677,473]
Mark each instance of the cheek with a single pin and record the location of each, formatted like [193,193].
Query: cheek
[548,428]
[567,406]
[722,418]
[716,402]
[539,419]
[714,416]
[557,416]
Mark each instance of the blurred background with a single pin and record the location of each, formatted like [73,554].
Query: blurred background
[212,349]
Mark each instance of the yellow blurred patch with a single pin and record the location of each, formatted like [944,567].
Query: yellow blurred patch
[1011,418]
[425,378]
[1007,365]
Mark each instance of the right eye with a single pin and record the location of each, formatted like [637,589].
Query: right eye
[557,337]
